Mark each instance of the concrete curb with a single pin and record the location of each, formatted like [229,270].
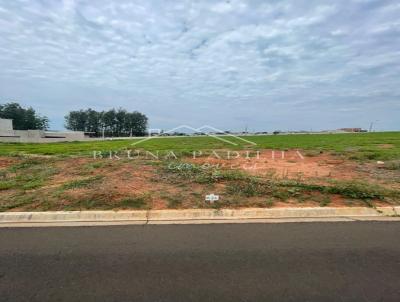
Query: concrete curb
[196,216]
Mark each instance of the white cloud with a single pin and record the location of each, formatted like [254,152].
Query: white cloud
[184,53]
[228,6]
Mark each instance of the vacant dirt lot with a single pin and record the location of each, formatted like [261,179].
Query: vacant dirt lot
[265,179]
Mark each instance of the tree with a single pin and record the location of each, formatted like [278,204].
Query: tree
[114,122]
[93,121]
[23,118]
[76,120]
[136,123]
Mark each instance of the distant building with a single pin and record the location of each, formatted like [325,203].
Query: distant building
[6,127]
[8,134]
[352,130]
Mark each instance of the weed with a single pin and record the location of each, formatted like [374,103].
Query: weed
[82,183]
[203,175]
[393,165]
[365,155]
[17,201]
[33,184]
[95,204]
[269,203]
[96,199]
[7,184]
[28,163]
[3,174]
[250,187]
[26,183]
[325,200]
[29,174]
[174,202]
[96,165]
[352,189]
[140,202]
[281,194]
[233,175]
[357,190]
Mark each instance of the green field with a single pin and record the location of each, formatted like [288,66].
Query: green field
[361,146]
[338,170]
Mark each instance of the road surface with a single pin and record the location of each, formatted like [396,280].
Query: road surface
[347,261]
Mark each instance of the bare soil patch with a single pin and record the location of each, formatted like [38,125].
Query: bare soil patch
[269,179]
[288,164]
[6,162]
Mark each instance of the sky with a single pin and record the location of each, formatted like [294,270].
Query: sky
[261,65]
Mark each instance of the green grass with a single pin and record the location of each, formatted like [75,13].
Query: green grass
[284,190]
[28,174]
[7,184]
[269,203]
[26,164]
[323,200]
[18,200]
[25,184]
[140,202]
[200,174]
[360,146]
[240,183]
[81,183]
[249,188]
[351,189]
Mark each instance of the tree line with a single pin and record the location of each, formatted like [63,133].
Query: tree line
[114,122]
[23,118]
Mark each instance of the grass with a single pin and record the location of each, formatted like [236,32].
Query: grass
[200,174]
[285,190]
[359,146]
[351,189]
[7,184]
[28,174]
[30,184]
[136,202]
[269,203]
[174,202]
[323,200]
[249,188]
[17,201]
[239,183]
[392,165]
[82,183]
[26,164]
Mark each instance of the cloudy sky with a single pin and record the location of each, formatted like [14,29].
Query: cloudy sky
[267,65]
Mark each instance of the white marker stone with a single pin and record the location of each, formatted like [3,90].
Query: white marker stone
[212,197]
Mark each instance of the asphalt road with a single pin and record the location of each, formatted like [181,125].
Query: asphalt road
[350,261]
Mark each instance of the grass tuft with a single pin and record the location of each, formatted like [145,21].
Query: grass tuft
[7,184]
[82,183]
[139,202]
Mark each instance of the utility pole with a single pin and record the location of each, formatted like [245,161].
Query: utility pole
[372,125]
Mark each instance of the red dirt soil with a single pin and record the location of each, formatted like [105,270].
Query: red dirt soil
[127,178]
[289,164]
